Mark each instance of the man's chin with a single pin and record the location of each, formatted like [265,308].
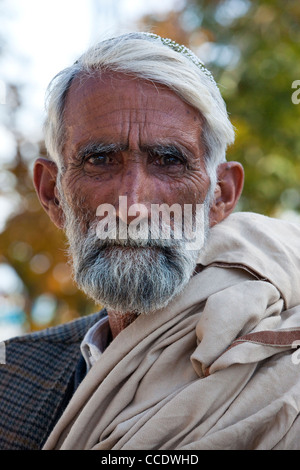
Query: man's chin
[123,307]
[128,251]
[128,288]
[132,277]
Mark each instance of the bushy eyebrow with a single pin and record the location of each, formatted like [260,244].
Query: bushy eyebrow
[102,148]
[163,150]
[153,150]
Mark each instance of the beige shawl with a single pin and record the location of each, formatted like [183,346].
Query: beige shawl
[217,368]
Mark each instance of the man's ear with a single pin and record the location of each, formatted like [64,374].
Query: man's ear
[228,190]
[44,179]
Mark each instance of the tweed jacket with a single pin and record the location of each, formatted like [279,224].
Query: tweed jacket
[37,380]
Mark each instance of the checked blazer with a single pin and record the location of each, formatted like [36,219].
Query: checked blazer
[40,374]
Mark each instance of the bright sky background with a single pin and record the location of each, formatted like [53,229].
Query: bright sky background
[44,36]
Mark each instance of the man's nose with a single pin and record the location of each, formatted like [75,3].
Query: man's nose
[135,194]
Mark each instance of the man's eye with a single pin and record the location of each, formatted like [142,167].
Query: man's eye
[99,159]
[168,160]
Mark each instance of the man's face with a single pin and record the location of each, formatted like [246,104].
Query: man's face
[127,137]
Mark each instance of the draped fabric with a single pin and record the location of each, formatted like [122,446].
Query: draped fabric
[216,369]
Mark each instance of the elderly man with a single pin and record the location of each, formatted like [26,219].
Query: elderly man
[196,345]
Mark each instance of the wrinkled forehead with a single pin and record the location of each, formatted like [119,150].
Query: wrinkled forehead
[117,88]
[109,105]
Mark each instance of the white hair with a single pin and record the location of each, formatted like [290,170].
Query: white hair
[149,57]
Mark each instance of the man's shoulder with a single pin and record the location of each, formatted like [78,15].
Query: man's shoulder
[266,246]
[66,333]
[258,220]
[37,378]
[48,350]
[45,354]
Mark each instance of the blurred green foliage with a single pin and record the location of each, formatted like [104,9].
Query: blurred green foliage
[258,91]
[253,49]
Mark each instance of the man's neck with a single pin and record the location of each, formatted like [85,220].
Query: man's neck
[118,321]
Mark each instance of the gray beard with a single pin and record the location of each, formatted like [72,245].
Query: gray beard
[140,276]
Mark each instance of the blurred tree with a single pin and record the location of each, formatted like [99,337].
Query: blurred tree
[35,249]
[252,48]
[29,242]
